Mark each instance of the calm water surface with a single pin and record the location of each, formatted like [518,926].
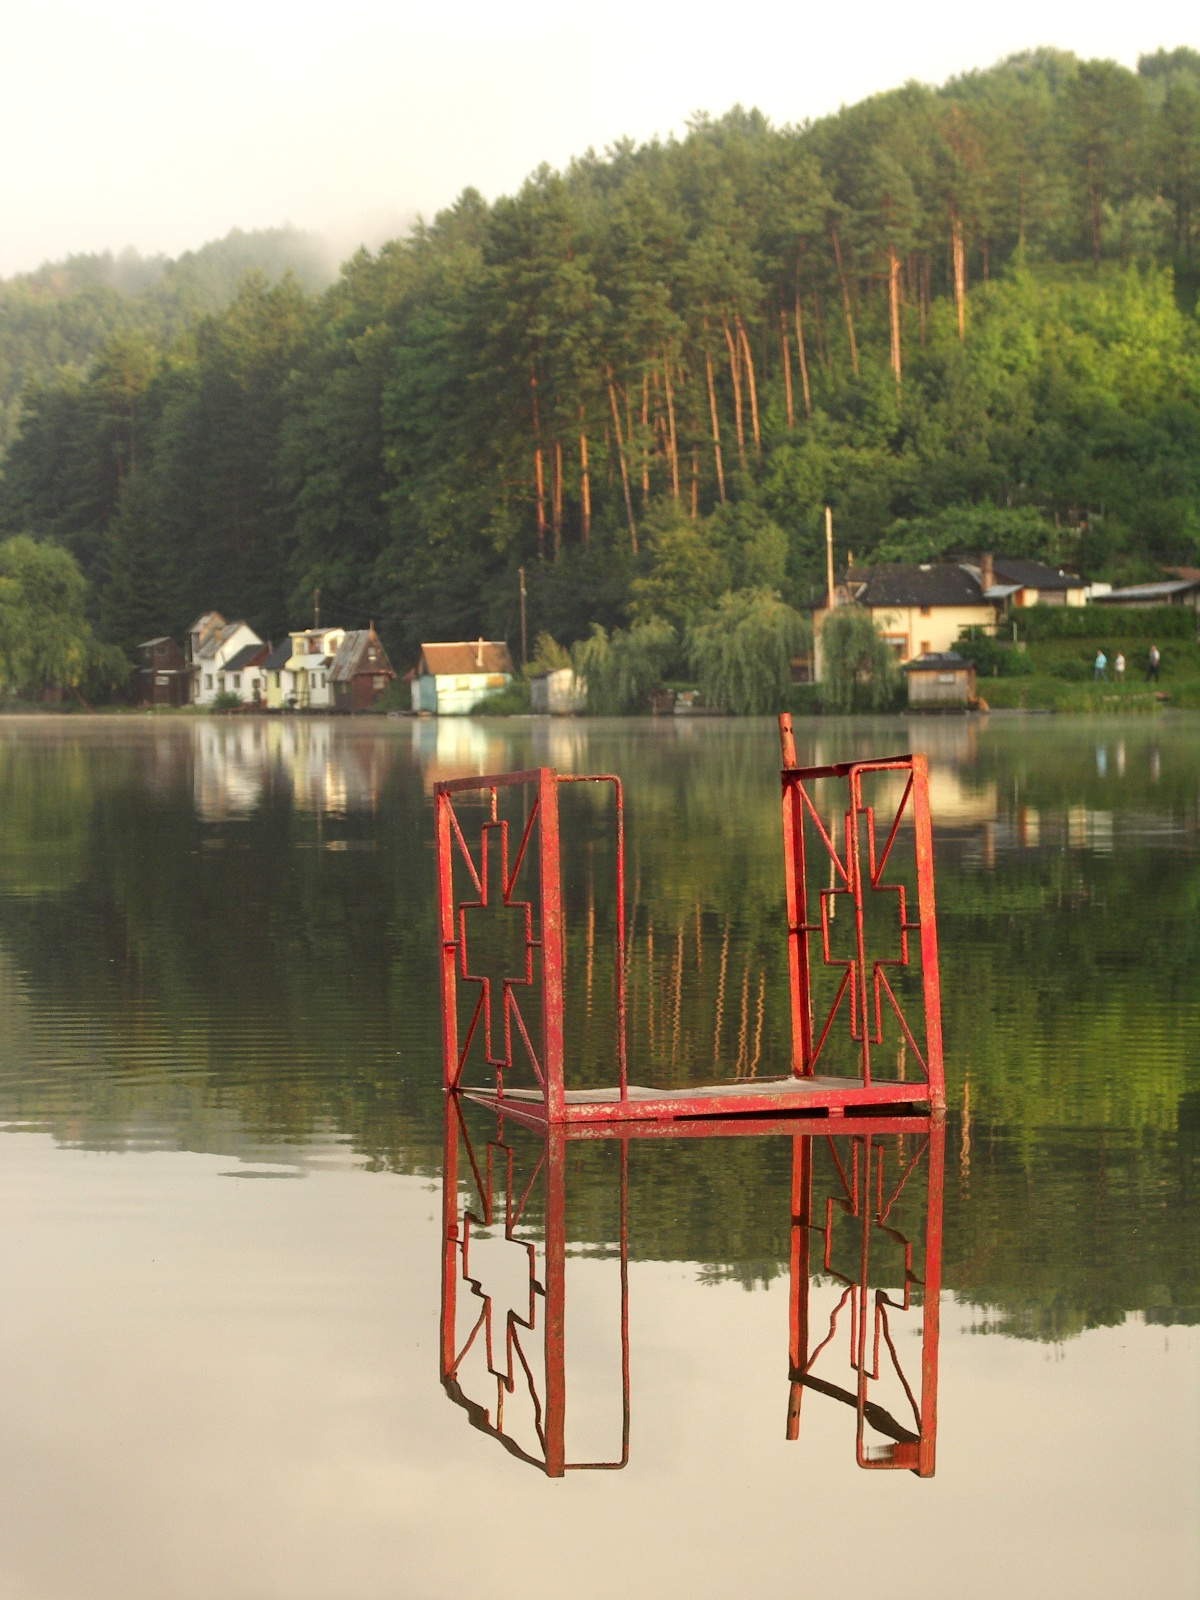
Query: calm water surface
[222,1146]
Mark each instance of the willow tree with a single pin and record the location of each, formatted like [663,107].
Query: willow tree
[858,671]
[46,641]
[742,651]
[623,668]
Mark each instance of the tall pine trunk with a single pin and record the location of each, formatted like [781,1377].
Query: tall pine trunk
[803,358]
[539,476]
[671,442]
[557,499]
[846,306]
[894,312]
[645,430]
[716,428]
[959,265]
[695,484]
[585,486]
[736,376]
[745,344]
[616,416]
[787,369]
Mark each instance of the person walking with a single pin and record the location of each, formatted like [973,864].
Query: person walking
[1119,668]
[1152,661]
[1100,669]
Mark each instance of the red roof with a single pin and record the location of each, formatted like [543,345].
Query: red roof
[464,658]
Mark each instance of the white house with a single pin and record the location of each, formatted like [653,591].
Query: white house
[313,650]
[451,679]
[244,675]
[211,643]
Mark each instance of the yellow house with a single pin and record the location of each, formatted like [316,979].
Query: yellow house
[280,685]
[920,610]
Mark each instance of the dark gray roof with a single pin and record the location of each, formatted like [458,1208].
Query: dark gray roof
[1033,574]
[279,657]
[944,661]
[904,584]
[245,657]
[1150,591]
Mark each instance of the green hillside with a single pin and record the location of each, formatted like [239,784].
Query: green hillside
[965,316]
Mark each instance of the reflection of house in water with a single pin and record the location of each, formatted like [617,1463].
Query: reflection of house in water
[229,774]
[238,763]
[459,748]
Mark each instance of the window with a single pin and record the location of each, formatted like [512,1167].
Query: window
[322,680]
[924,611]
[237,679]
[946,677]
[897,643]
[926,648]
[208,680]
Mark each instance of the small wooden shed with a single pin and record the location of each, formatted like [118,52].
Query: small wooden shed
[161,677]
[942,681]
[557,694]
[360,672]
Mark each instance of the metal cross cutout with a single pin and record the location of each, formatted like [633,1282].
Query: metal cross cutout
[855,899]
[501,945]
[867,925]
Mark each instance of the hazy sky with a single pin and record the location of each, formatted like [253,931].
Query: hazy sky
[161,125]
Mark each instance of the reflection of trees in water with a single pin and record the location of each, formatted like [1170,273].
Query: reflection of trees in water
[280,986]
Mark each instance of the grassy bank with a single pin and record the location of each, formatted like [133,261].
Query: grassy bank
[1057,675]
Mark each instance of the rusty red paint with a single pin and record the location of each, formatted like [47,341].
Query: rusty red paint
[546,1294]
[872,1161]
[857,874]
[864,978]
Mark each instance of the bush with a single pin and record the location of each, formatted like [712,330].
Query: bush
[224,701]
[1073,669]
[511,701]
[993,658]
[802,700]
[742,651]
[1104,622]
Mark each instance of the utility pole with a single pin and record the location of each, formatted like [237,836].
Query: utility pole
[316,607]
[524,645]
[829,555]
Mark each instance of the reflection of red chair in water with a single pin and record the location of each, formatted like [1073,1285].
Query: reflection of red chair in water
[530,1351]
[872,1166]
[867,1194]
[514,880]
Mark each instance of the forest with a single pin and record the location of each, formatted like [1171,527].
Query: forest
[963,316]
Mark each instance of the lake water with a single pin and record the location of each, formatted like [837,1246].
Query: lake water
[221,1204]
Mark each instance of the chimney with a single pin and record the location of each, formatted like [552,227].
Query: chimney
[479,653]
[987,571]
